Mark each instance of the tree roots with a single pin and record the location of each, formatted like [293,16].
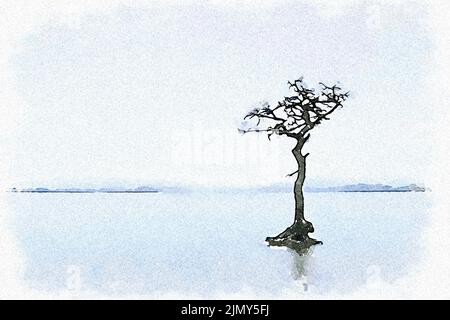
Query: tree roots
[295,237]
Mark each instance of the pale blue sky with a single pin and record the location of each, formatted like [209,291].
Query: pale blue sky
[139,95]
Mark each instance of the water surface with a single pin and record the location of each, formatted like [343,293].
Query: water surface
[205,244]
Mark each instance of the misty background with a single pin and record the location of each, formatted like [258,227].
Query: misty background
[154,95]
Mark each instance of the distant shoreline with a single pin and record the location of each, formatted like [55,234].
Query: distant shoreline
[338,191]
[360,187]
[284,191]
[56,191]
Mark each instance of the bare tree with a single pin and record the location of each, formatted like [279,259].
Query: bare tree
[294,117]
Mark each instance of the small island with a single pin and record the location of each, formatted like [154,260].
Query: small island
[142,189]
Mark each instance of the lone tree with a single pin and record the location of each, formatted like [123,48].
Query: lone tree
[294,117]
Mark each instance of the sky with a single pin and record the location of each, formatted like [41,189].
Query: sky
[154,94]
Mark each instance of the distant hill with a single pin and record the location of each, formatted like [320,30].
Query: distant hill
[362,187]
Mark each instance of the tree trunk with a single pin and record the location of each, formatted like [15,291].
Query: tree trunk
[296,236]
[302,227]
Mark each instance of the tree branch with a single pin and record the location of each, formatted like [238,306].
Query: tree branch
[291,174]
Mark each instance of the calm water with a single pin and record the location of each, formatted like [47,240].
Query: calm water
[213,243]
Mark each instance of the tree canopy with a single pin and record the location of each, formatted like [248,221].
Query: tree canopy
[296,115]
